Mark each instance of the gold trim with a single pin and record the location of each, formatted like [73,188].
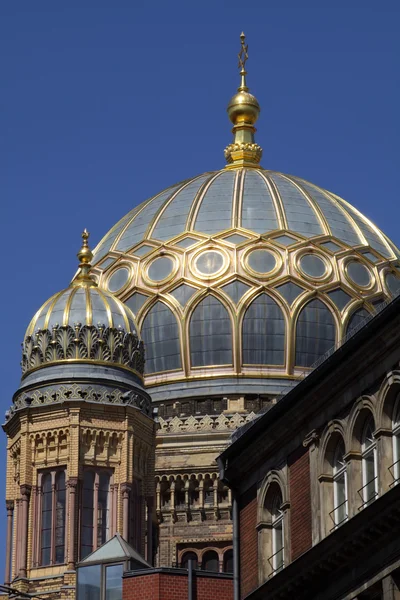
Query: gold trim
[371,270]
[237,195]
[123,264]
[206,276]
[277,201]
[326,230]
[107,306]
[67,307]
[31,327]
[124,309]
[89,312]
[303,275]
[197,201]
[244,258]
[51,306]
[149,261]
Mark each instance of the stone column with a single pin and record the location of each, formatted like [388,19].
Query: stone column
[72,485]
[10,511]
[125,489]
[95,510]
[25,495]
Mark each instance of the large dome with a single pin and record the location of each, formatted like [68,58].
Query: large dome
[242,279]
[244,272]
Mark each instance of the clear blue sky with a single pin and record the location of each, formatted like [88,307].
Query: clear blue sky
[105,103]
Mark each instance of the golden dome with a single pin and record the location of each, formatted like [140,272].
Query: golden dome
[83,323]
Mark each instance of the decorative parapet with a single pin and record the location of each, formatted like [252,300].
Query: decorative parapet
[98,344]
[204,423]
[88,393]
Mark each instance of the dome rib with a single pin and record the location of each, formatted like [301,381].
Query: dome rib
[215,212]
[322,219]
[196,203]
[169,210]
[277,201]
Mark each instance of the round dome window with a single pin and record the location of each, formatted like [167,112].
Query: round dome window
[392,283]
[313,266]
[261,261]
[209,263]
[118,279]
[161,268]
[358,273]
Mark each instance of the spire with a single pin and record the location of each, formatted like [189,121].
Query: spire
[85,255]
[243,111]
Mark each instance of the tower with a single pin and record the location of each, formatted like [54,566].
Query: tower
[80,453]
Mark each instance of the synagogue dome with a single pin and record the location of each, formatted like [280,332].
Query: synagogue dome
[244,273]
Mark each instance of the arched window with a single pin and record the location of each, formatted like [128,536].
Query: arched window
[210,561]
[208,492]
[277,534]
[356,320]
[315,333]
[340,510]
[369,463]
[228,561]
[263,333]
[136,515]
[189,556]
[210,334]
[95,510]
[160,334]
[271,532]
[53,514]
[396,443]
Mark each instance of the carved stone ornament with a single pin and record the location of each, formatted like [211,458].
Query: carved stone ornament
[65,393]
[83,342]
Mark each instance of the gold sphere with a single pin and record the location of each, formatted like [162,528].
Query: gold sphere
[243,108]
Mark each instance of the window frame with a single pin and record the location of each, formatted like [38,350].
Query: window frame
[366,451]
[95,522]
[337,474]
[54,473]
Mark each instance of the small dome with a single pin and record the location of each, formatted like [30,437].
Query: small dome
[83,323]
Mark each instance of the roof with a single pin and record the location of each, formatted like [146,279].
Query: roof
[114,550]
[256,200]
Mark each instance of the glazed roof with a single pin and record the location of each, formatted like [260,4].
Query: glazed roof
[256,200]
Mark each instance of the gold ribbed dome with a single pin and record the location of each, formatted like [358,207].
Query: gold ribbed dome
[81,323]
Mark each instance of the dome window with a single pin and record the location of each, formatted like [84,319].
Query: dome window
[161,268]
[261,261]
[118,279]
[392,284]
[358,273]
[315,333]
[209,263]
[313,266]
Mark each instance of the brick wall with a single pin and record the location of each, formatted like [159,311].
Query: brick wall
[248,542]
[300,502]
[170,585]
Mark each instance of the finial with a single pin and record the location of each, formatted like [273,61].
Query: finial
[243,111]
[84,255]
[243,56]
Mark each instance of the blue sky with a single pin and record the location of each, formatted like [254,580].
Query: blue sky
[103,104]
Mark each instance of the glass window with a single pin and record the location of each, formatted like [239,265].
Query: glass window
[210,561]
[263,333]
[392,283]
[261,261]
[396,445]
[136,301]
[369,463]
[315,333]
[118,279]
[47,506]
[210,334]
[340,509]
[290,291]
[161,268]
[89,583]
[277,534]
[359,273]
[339,297]
[60,517]
[312,265]
[52,534]
[114,582]
[183,293]
[235,290]
[209,263]
[94,525]
[160,334]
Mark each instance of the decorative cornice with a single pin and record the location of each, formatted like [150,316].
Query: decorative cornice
[83,342]
[74,391]
[204,423]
